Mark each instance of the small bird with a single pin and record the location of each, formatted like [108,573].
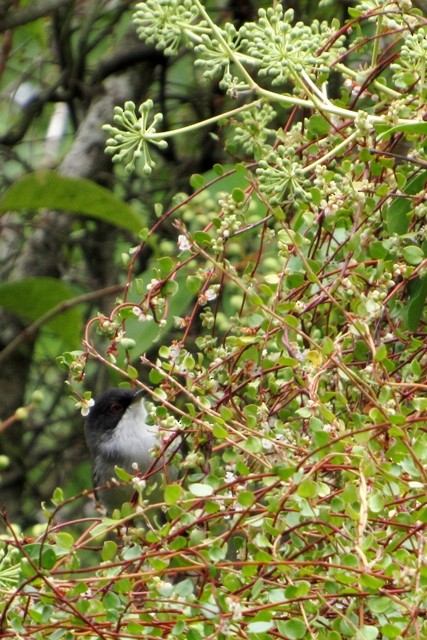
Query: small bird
[117,434]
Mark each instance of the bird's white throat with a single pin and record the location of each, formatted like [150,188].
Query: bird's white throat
[132,439]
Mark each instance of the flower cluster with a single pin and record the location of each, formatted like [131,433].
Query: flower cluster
[169,24]
[410,68]
[214,55]
[283,50]
[9,567]
[281,176]
[277,49]
[253,132]
[130,138]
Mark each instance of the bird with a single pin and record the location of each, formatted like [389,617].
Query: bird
[117,434]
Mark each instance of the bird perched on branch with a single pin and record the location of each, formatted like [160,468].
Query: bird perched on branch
[118,435]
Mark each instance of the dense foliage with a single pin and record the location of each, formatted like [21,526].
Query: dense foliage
[284,291]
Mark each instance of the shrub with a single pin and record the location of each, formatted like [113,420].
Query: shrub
[291,313]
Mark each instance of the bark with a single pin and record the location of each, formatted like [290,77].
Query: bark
[16,17]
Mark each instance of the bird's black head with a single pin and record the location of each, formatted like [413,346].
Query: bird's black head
[108,410]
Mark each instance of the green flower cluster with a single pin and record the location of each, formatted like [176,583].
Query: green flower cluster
[282,176]
[253,132]
[130,140]
[214,54]
[170,24]
[282,51]
[410,68]
[274,48]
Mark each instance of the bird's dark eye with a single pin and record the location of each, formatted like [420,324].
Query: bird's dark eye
[115,408]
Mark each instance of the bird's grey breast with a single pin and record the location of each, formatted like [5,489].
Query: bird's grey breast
[131,441]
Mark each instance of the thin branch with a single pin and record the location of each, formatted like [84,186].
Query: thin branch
[125,57]
[32,109]
[31,12]
[30,331]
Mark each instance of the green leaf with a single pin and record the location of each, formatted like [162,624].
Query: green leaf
[381,353]
[135,629]
[219,431]
[391,630]
[380,604]
[417,184]
[283,471]
[197,180]
[111,601]
[218,169]
[200,490]
[238,195]
[371,582]
[420,404]
[291,321]
[27,569]
[202,238]
[185,588]
[132,372]
[367,632]
[318,125]
[328,346]
[396,216]
[180,542]
[253,444]
[377,250]
[194,284]
[413,255]
[122,474]
[58,496]
[307,489]
[108,550]
[316,195]
[260,626]
[47,189]
[166,265]
[33,298]
[36,615]
[173,492]
[293,629]
[123,585]
[411,128]
[49,558]
[64,540]
[246,498]
[376,502]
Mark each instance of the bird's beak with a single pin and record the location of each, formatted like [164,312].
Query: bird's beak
[138,396]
